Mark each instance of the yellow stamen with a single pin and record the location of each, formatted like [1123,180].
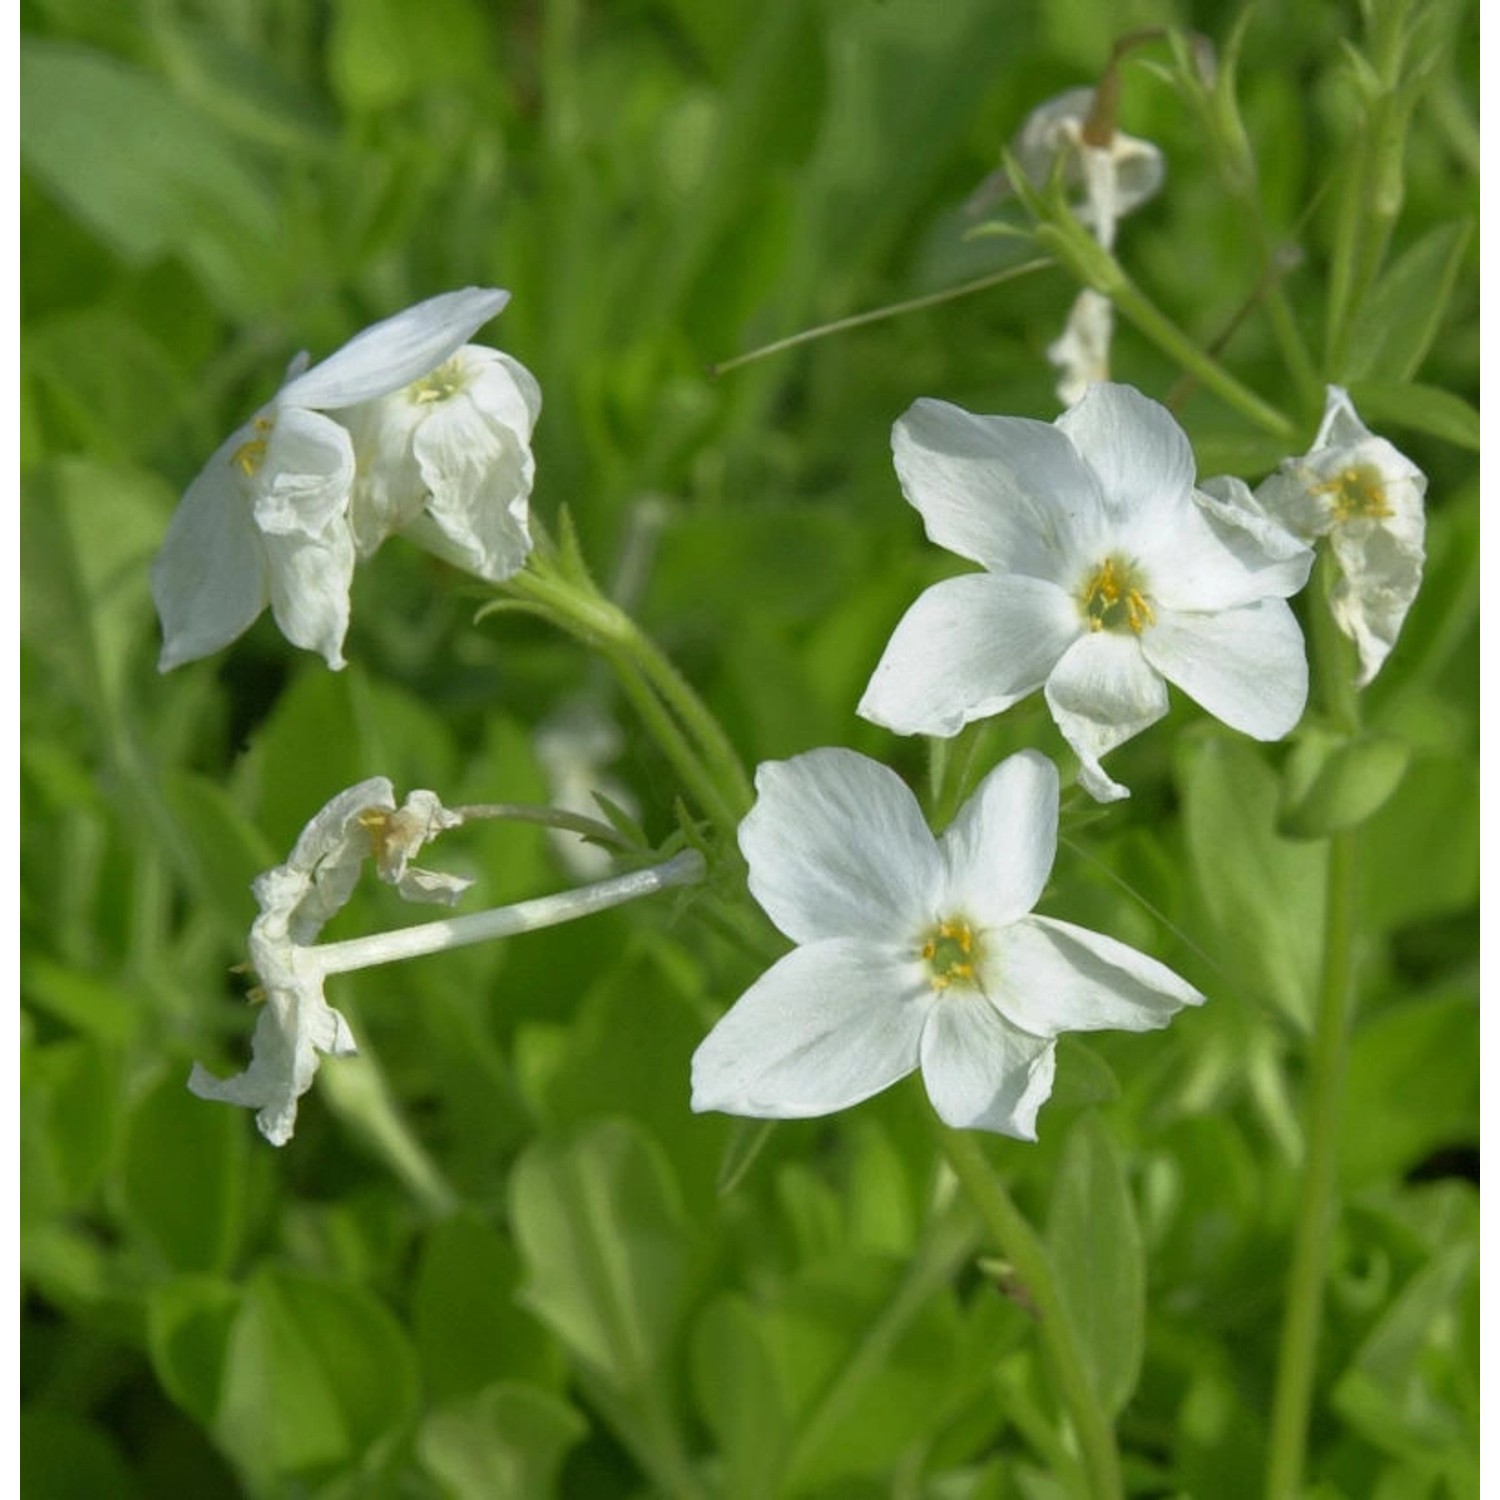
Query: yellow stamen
[1112,598]
[951,953]
[1357,490]
[440,385]
[251,454]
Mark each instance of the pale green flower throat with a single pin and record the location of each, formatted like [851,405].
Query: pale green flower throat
[951,951]
[1113,597]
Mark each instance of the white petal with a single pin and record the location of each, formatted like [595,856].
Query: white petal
[504,389]
[999,849]
[1247,667]
[305,476]
[1008,492]
[981,1072]
[295,1027]
[1381,576]
[1052,129]
[1140,170]
[969,647]
[1101,694]
[1134,446]
[1082,350]
[478,477]
[395,352]
[310,582]
[210,578]
[838,847]
[397,837]
[1341,426]
[1281,560]
[829,1024]
[1048,977]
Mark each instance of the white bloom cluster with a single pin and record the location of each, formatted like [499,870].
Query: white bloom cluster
[407,428]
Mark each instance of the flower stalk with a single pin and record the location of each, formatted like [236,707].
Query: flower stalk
[1021,1246]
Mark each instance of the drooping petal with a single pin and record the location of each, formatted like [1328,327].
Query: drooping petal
[1048,977]
[1102,693]
[1139,455]
[1382,573]
[981,1072]
[838,847]
[828,1025]
[478,477]
[398,837]
[310,581]
[1247,666]
[1081,352]
[209,580]
[295,1029]
[303,482]
[1008,492]
[999,849]
[969,647]
[396,351]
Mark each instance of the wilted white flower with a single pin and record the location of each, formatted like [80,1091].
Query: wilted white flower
[1110,178]
[1082,351]
[1367,499]
[1107,575]
[275,515]
[296,1025]
[915,951]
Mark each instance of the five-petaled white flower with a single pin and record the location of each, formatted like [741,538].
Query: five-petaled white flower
[404,428]
[1367,499]
[297,1025]
[915,951]
[1107,575]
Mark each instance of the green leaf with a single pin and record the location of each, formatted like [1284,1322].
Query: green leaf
[1333,782]
[1405,311]
[468,1329]
[506,1442]
[67,1458]
[603,1236]
[1095,1245]
[185,1177]
[740,1394]
[188,1324]
[147,173]
[384,52]
[1422,408]
[317,1372]
[1263,893]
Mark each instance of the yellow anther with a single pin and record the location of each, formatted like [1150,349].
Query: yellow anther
[251,454]
[1357,490]
[950,952]
[1112,598]
[442,383]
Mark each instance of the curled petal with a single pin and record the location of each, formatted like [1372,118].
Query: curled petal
[310,580]
[969,647]
[830,1024]
[1102,693]
[1048,977]
[838,847]
[1382,573]
[981,1072]
[1247,666]
[304,476]
[396,351]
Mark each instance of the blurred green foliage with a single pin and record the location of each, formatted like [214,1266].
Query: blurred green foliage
[495,1260]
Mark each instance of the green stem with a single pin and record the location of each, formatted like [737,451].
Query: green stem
[1318,1204]
[1022,1247]
[1168,337]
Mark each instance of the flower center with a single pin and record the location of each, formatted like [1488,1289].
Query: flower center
[441,384]
[1358,490]
[251,454]
[951,950]
[1113,597]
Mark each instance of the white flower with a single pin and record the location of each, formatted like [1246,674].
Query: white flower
[270,517]
[447,461]
[1367,499]
[914,951]
[1107,576]
[1110,178]
[296,1025]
